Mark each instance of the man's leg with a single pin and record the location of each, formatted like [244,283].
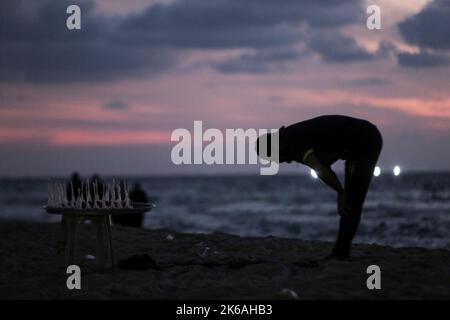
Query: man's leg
[358,175]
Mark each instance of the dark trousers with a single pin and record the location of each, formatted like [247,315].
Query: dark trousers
[358,175]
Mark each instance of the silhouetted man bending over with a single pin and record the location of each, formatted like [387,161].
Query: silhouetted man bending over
[320,142]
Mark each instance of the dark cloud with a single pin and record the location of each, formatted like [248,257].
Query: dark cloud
[36,46]
[115,105]
[260,62]
[429,30]
[336,47]
[270,27]
[422,60]
[430,27]
[235,23]
[331,46]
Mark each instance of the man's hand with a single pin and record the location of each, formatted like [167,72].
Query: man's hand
[324,172]
[343,208]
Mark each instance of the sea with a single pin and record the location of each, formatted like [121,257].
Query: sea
[412,209]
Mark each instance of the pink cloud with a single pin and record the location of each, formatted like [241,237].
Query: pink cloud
[8,135]
[413,106]
[109,137]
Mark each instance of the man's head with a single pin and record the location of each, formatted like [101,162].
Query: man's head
[269,147]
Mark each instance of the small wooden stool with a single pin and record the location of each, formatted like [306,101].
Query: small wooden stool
[101,218]
[69,232]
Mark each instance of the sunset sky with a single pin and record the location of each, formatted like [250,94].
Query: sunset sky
[107,97]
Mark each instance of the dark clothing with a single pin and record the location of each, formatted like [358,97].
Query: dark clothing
[338,137]
[330,137]
[73,187]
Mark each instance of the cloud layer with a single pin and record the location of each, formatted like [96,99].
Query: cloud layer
[36,46]
[429,31]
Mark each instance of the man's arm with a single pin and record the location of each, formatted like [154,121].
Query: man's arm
[324,172]
[329,177]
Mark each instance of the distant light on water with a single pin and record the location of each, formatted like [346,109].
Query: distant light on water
[397,170]
[314,174]
[377,171]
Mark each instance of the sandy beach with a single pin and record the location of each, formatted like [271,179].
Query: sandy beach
[214,266]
